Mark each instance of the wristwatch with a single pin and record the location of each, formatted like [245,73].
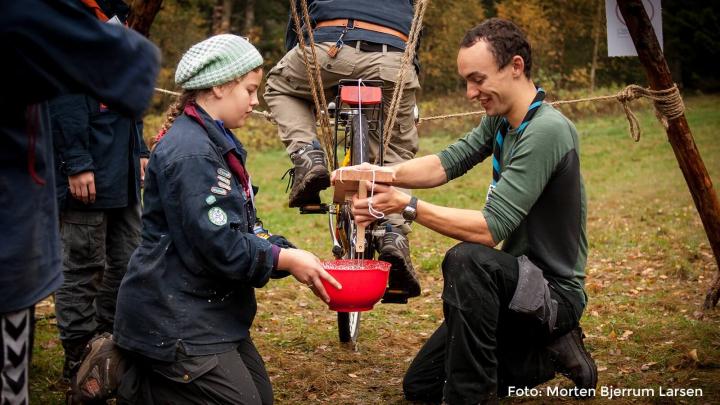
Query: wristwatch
[409,213]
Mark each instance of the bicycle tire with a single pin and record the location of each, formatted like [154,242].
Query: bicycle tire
[349,322]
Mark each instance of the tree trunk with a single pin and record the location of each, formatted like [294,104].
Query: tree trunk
[142,15]
[249,17]
[596,45]
[678,131]
[227,10]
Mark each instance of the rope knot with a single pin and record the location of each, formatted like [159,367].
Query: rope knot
[629,93]
[668,105]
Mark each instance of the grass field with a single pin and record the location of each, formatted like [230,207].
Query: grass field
[648,270]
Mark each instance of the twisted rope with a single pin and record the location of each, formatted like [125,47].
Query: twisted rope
[668,105]
[265,114]
[408,56]
[315,80]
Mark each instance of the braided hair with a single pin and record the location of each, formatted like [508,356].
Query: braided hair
[175,109]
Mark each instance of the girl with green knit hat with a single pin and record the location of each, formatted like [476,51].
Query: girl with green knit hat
[187,302]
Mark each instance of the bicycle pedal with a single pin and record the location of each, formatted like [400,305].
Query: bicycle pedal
[395,297]
[321,208]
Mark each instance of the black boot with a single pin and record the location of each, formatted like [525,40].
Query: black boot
[74,349]
[572,360]
[309,175]
[404,284]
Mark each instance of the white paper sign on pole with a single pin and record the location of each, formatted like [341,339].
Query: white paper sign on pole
[618,37]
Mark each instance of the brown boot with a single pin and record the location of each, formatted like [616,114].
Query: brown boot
[404,284]
[309,175]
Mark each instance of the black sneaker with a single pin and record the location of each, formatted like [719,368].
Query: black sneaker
[573,361]
[309,175]
[394,249]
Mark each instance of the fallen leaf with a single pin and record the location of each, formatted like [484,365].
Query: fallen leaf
[625,335]
[646,366]
[351,375]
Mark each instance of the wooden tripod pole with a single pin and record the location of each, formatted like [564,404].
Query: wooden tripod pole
[142,15]
[678,132]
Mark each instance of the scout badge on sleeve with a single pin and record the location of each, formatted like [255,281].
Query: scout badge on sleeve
[218,190]
[224,173]
[217,216]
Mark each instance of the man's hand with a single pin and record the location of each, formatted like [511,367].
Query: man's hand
[82,186]
[143,165]
[307,269]
[385,199]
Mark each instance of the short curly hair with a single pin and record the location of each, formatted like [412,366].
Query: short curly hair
[506,40]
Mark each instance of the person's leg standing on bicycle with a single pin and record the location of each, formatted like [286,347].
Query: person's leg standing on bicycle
[373,35]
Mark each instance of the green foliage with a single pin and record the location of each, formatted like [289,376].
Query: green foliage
[561,32]
[445,23]
[178,25]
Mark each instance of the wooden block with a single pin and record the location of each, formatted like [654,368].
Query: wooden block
[347,181]
[381,175]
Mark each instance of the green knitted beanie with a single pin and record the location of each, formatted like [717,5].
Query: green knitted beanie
[215,61]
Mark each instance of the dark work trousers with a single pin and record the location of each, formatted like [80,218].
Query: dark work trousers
[234,377]
[16,345]
[97,246]
[483,347]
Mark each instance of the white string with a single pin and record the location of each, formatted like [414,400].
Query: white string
[360,83]
[375,213]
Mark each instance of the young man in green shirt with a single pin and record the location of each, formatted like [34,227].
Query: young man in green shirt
[511,315]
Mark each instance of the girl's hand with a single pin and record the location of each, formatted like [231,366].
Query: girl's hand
[307,269]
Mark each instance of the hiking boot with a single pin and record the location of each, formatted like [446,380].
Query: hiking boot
[309,175]
[395,249]
[572,360]
[102,368]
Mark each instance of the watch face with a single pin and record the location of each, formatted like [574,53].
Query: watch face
[409,213]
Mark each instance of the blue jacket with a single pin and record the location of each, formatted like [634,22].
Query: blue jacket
[191,281]
[90,137]
[395,14]
[52,47]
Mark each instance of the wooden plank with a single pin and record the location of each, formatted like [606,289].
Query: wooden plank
[678,132]
[347,181]
[380,175]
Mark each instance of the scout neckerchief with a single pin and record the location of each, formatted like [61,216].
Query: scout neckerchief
[503,130]
[99,13]
[236,166]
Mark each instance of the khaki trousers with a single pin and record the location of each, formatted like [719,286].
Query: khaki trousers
[288,95]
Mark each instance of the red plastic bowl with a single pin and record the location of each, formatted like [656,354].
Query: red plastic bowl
[363,283]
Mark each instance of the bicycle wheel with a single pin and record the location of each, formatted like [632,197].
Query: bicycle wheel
[349,322]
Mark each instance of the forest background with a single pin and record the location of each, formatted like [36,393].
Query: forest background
[568,39]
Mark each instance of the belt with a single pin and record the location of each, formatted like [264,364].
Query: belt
[372,46]
[344,22]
